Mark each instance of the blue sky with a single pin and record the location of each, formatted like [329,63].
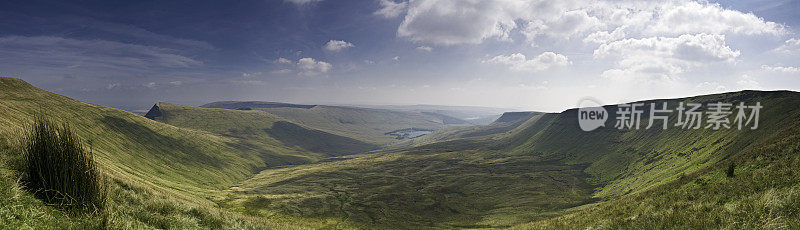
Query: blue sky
[535,55]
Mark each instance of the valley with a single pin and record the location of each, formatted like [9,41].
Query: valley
[267,165]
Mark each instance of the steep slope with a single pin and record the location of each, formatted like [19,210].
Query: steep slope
[135,147]
[258,128]
[367,125]
[161,176]
[630,160]
[757,189]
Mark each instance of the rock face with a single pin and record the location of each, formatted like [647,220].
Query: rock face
[153,113]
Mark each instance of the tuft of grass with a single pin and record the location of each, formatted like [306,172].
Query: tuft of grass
[731,170]
[59,170]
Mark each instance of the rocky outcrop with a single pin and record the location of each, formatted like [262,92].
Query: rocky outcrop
[154,112]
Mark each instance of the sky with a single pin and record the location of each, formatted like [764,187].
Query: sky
[521,54]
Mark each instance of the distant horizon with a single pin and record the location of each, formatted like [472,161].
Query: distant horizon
[457,106]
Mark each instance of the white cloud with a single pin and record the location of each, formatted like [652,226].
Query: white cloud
[783,69]
[303,2]
[747,82]
[113,85]
[565,26]
[138,33]
[666,55]
[682,17]
[391,9]
[247,75]
[425,48]
[710,87]
[369,62]
[283,61]
[176,83]
[790,46]
[518,61]
[311,67]
[396,58]
[602,37]
[335,45]
[281,71]
[95,54]
[150,85]
[449,22]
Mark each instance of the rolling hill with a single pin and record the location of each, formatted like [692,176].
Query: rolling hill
[161,176]
[137,147]
[363,124]
[258,128]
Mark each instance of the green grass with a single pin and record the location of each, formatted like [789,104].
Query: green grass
[261,129]
[764,193]
[406,190]
[187,167]
[60,170]
[139,149]
[367,125]
[129,207]
[629,161]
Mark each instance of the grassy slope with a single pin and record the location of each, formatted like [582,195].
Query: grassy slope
[261,129]
[606,163]
[135,147]
[505,123]
[763,194]
[368,125]
[627,161]
[130,207]
[162,176]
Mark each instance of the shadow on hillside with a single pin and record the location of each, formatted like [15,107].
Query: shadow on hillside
[292,134]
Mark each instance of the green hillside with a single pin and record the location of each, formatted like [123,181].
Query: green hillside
[363,124]
[630,160]
[162,176]
[259,129]
[762,192]
[505,123]
[136,147]
[543,168]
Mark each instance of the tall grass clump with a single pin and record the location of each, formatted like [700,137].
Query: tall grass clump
[59,170]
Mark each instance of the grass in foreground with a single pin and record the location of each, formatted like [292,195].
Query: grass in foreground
[59,170]
[129,207]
